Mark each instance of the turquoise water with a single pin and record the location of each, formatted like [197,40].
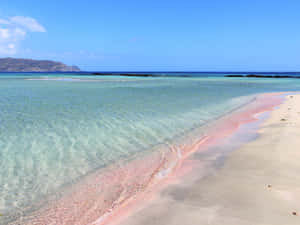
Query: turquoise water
[56,129]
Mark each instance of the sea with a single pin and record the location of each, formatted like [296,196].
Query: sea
[58,128]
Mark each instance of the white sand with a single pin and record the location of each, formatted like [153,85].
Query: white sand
[238,193]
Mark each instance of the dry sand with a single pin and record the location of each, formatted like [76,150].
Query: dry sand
[259,183]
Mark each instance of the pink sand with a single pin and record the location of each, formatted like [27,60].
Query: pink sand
[110,195]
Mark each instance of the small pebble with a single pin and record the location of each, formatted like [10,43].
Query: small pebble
[283,120]
[294,213]
[269,185]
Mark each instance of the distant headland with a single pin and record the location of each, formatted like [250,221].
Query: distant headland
[31,65]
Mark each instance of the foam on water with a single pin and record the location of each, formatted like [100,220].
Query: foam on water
[54,133]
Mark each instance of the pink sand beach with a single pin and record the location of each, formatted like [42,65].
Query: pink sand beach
[206,181]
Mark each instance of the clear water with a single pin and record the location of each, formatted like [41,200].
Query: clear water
[55,129]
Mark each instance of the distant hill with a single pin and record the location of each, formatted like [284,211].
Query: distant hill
[30,65]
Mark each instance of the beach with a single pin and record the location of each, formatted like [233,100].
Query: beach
[149,113]
[123,150]
[258,183]
[109,196]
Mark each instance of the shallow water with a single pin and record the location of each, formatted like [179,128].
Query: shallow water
[56,129]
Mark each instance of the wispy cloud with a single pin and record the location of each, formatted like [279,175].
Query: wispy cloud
[2,21]
[27,23]
[13,30]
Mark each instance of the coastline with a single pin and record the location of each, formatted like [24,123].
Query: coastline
[257,183]
[84,203]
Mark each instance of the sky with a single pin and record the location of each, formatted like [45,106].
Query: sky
[153,35]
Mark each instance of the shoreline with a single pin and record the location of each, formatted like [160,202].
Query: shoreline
[72,209]
[256,184]
[221,133]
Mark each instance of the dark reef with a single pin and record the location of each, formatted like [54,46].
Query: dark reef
[127,74]
[263,76]
[132,74]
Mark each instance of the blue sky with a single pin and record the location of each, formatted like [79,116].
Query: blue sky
[212,35]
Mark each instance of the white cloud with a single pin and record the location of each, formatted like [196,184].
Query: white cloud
[4,33]
[28,23]
[2,21]
[13,30]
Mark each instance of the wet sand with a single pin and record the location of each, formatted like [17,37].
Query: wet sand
[183,185]
[258,183]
